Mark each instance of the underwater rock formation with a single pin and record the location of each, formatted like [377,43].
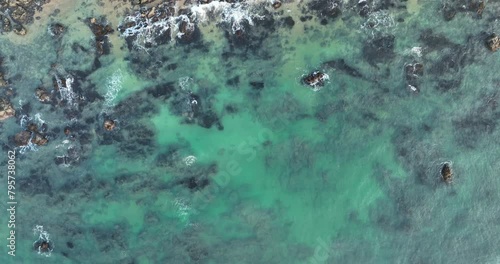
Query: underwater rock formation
[57,29]
[342,66]
[15,15]
[100,28]
[380,49]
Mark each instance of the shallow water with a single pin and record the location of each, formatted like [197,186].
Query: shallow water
[269,172]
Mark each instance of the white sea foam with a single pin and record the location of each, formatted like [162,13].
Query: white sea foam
[185,83]
[232,15]
[42,236]
[379,22]
[114,86]
[66,91]
[183,210]
[189,160]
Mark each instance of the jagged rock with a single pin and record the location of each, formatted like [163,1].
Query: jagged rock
[42,95]
[109,125]
[493,42]
[6,109]
[447,173]
[101,29]
[316,79]
[39,139]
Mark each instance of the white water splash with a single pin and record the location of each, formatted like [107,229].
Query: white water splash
[42,236]
[114,86]
[186,83]
[189,160]
[379,22]
[233,15]
[66,91]
[183,210]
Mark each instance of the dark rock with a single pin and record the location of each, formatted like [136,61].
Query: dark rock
[162,90]
[315,79]
[100,28]
[195,184]
[56,29]
[235,81]
[231,109]
[257,85]
[326,8]
[288,21]
[447,173]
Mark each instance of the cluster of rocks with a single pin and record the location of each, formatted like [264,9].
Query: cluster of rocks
[100,28]
[148,25]
[31,134]
[15,15]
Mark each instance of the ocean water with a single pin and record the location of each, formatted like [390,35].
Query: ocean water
[220,154]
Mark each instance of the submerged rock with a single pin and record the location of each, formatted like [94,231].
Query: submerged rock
[326,8]
[380,49]
[341,65]
[315,80]
[56,29]
[447,173]
[6,109]
[493,42]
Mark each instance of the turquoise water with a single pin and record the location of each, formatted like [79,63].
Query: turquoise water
[261,168]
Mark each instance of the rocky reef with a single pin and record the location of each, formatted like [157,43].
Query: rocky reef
[15,15]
